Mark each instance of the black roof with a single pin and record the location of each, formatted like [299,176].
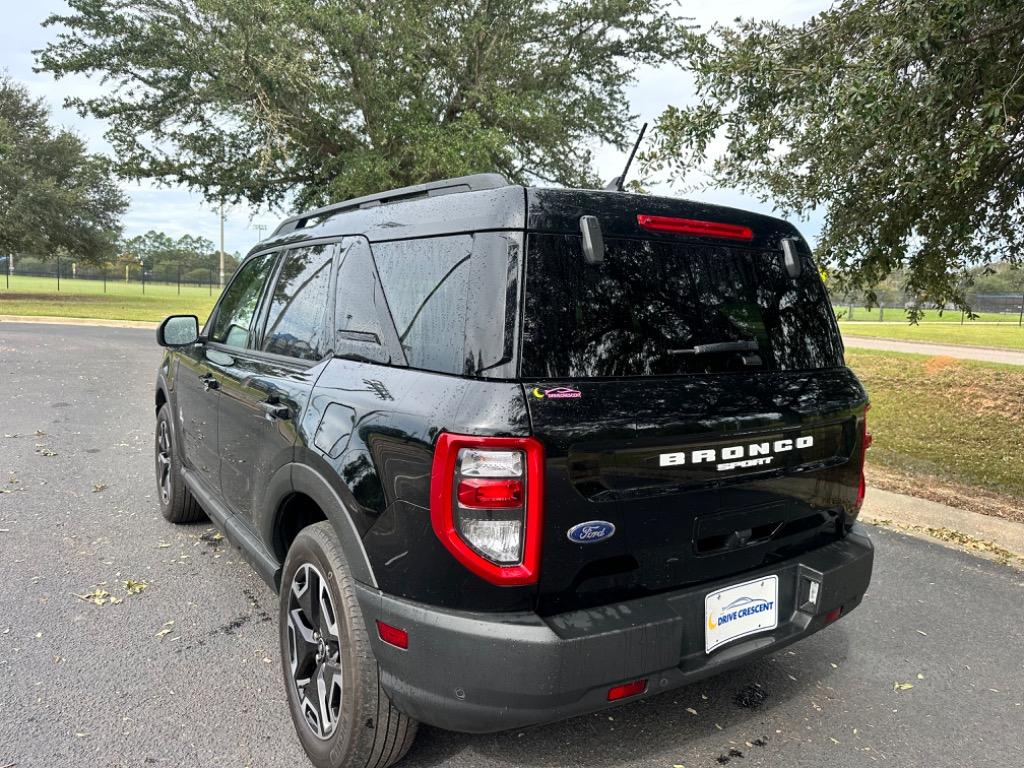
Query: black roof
[489,202]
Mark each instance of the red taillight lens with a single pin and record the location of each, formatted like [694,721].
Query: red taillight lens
[628,689]
[834,614]
[865,443]
[479,493]
[679,226]
[486,504]
[393,635]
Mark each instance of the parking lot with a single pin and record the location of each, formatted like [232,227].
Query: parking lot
[179,664]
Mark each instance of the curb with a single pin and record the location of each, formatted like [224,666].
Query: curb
[990,537]
[86,321]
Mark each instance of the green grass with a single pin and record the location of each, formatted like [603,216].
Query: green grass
[897,316]
[85,298]
[1003,336]
[959,420]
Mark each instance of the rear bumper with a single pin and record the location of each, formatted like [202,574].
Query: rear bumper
[479,673]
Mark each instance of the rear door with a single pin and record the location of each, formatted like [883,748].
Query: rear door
[267,384]
[692,395]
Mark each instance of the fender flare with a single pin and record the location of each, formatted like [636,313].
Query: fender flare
[308,481]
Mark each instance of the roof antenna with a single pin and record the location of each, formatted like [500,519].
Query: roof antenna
[618,183]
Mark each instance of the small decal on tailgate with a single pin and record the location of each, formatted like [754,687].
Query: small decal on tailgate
[556,393]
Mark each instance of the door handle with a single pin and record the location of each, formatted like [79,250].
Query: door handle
[209,382]
[276,410]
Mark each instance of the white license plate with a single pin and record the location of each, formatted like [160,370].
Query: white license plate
[740,610]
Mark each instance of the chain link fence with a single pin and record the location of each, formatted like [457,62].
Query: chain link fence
[987,307]
[33,275]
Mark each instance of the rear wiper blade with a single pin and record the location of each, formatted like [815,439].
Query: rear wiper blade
[749,345]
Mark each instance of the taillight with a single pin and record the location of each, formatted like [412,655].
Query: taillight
[486,504]
[677,226]
[865,443]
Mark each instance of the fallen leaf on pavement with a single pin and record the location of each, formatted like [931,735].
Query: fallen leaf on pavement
[96,597]
[133,587]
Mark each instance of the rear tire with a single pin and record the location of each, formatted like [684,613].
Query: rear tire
[176,502]
[348,721]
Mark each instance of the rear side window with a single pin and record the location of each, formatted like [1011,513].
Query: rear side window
[363,329]
[426,284]
[297,318]
[656,307]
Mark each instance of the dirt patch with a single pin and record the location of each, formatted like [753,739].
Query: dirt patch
[938,363]
[951,494]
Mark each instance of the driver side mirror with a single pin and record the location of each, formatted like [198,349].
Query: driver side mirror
[178,331]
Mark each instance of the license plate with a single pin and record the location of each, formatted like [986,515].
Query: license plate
[740,610]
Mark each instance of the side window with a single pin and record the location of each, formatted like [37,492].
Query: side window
[363,327]
[233,324]
[426,284]
[297,318]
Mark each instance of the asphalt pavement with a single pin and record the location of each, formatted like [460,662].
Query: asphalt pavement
[105,685]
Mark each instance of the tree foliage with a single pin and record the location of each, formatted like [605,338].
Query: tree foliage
[54,196]
[163,255]
[270,100]
[902,119]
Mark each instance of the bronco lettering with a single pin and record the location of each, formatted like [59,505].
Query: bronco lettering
[736,456]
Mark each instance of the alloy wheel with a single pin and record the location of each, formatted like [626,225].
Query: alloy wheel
[163,460]
[314,649]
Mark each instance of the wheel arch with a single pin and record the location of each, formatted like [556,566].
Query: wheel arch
[311,499]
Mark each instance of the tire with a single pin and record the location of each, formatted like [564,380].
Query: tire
[355,725]
[176,502]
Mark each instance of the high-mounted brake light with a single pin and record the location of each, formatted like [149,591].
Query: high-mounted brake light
[865,443]
[486,498]
[679,226]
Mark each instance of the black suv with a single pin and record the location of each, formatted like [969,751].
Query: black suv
[512,455]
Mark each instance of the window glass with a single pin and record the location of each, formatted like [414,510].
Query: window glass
[360,308]
[233,323]
[297,319]
[653,307]
[426,283]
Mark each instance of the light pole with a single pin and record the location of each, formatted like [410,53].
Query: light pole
[222,242]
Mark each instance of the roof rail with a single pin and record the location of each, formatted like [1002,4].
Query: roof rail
[472,183]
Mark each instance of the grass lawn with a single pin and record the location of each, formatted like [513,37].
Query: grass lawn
[948,422]
[85,298]
[1005,336]
[898,315]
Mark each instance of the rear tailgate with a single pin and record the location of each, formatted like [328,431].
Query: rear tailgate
[687,500]
[691,393]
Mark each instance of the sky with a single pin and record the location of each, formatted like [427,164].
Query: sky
[177,211]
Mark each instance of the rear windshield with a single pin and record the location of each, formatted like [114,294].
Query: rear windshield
[663,308]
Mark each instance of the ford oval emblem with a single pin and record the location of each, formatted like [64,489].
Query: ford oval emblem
[591,532]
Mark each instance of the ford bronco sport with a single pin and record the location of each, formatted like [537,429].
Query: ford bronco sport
[511,455]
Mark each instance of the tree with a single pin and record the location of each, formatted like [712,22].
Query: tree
[54,196]
[162,255]
[901,119]
[307,102]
